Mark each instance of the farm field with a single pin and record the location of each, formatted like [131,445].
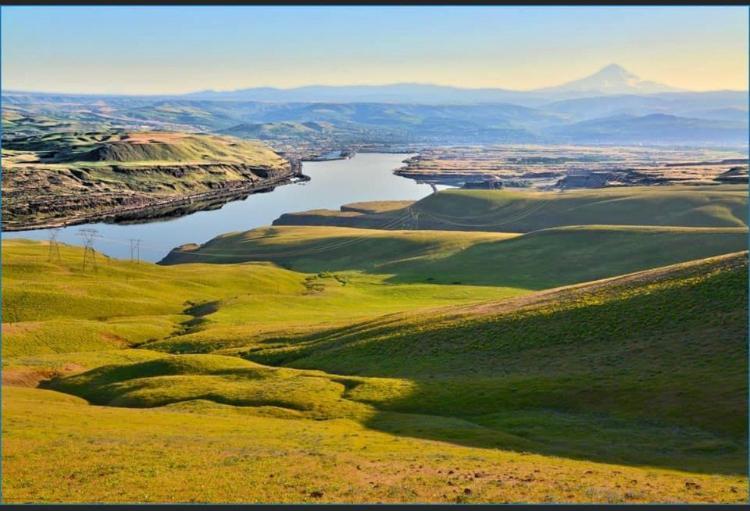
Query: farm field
[575,363]
[578,166]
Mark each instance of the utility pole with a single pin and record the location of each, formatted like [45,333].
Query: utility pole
[88,235]
[135,250]
[54,246]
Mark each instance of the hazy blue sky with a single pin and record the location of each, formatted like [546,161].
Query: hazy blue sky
[180,49]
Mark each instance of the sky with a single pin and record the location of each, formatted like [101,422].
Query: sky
[161,49]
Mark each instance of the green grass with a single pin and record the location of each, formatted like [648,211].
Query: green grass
[568,255]
[585,358]
[526,211]
[82,360]
[417,365]
[56,448]
[143,147]
[538,260]
[51,307]
[72,335]
[221,379]
[669,347]
[315,249]
[31,370]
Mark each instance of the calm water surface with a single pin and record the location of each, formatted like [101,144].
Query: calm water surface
[366,177]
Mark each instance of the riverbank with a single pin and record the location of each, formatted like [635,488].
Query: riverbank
[362,178]
[79,178]
[159,209]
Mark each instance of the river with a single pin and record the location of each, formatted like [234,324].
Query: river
[365,177]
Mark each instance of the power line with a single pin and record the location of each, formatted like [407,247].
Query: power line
[135,250]
[88,235]
[54,246]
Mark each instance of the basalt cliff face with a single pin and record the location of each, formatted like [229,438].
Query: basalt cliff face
[109,177]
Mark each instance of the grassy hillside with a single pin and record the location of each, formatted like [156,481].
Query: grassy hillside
[132,147]
[328,248]
[666,336]
[420,364]
[52,307]
[538,260]
[233,457]
[657,359]
[418,402]
[525,211]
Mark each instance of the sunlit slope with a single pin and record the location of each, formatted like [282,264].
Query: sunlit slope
[221,379]
[55,307]
[667,344]
[147,147]
[329,248]
[32,370]
[405,360]
[52,307]
[57,448]
[656,359]
[525,211]
[537,260]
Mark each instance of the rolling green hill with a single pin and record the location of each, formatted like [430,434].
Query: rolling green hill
[609,358]
[647,333]
[611,388]
[328,248]
[538,260]
[655,358]
[151,147]
[52,307]
[525,211]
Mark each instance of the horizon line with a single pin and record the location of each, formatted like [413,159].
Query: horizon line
[540,90]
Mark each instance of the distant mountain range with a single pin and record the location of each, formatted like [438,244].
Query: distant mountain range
[657,129]
[611,106]
[612,79]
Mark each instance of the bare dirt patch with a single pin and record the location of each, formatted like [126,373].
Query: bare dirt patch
[32,376]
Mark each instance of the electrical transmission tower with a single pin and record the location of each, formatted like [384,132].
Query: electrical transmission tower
[88,235]
[413,222]
[54,246]
[135,250]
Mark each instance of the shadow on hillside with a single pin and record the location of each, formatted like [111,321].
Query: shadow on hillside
[581,436]
[655,378]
